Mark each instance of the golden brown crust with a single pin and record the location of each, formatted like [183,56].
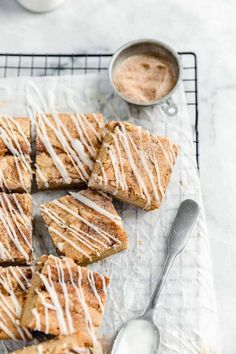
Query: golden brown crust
[13,278]
[14,282]
[52,175]
[14,177]
[19,128]
[72,344]
[72,139]
[73,296]
[134,165]
[15,228]
[83,231]
[15,150]
[69,123]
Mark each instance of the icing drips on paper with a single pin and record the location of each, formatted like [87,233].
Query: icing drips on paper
[81,151]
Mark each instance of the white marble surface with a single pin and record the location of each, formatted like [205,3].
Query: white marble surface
[205,26]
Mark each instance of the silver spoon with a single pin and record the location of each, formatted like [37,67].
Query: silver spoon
[177,240]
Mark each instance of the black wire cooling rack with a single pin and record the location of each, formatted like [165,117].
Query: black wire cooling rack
[14,65]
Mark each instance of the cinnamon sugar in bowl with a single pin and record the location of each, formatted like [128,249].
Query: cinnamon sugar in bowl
[146,72]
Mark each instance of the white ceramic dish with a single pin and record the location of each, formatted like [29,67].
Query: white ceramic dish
[40,5]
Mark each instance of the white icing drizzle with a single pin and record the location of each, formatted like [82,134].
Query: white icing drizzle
[145,165]
[10,140]
[79,148]
[98,121]
[78,234]
[88,240]
[13,218]
[80,125]
[88,202]
[55,301]
[43,136]
[41,175]
[24,219]
[37,319]
[60,273]
[4,254]
[113,159]
[73,244]
[15,275]
[170,347]
[84,137]
[170,158]
[86,121]
[47,306]
[65,139]
[105,195]
[10,306]
[122,173]
[92,242]
[81,297]
[93,286]
[123,136]
[62,304]
[40,349]
[75,149]
[101,232]
[124,140]
[155,163]
[105,180]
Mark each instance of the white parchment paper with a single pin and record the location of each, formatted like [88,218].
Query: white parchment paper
[186,312]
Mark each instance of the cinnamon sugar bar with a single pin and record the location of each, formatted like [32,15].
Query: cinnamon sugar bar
[66,148]
[134,165]
[15,228]
[64,299]
[15,150]
[85,226]
[14,282]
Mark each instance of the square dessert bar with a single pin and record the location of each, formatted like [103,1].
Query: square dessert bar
[15,151]
[85,226]
[15,228]
[134,165]
[14,281]
[73,343]
[64,298]
[66,148]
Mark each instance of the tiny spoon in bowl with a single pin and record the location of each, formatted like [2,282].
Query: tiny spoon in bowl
[141,335]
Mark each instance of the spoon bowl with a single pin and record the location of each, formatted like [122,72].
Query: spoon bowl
[139,335]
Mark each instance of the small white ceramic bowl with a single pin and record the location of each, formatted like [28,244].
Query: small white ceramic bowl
[40,5]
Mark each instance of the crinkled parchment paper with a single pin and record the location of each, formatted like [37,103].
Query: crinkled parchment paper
[186,312]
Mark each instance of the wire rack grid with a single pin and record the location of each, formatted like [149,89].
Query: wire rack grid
[15,65]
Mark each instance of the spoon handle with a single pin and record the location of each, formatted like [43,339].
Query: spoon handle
[177,240]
